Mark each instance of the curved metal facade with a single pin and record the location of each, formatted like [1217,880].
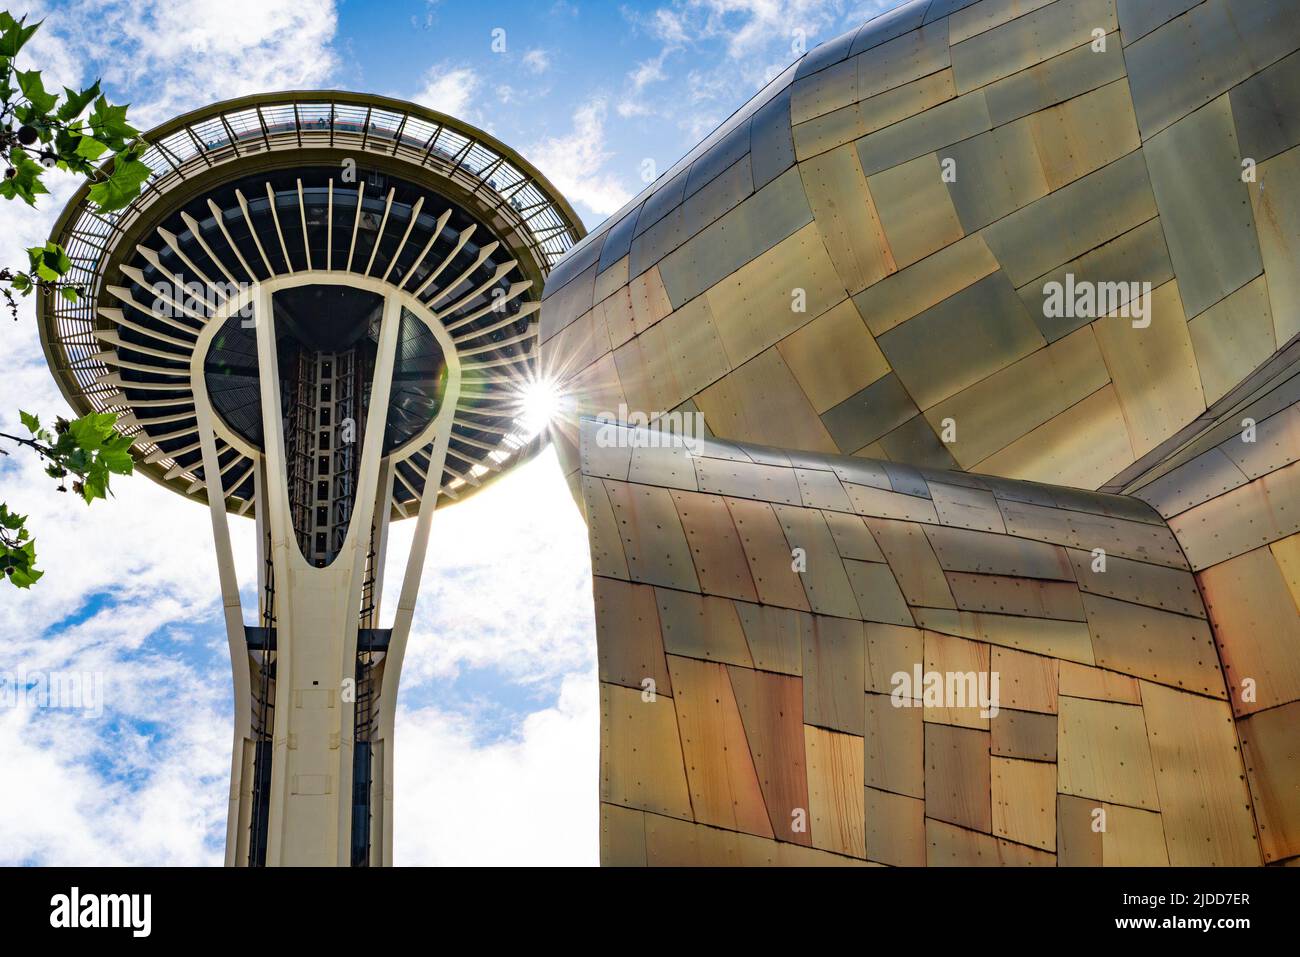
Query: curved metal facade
[926,245]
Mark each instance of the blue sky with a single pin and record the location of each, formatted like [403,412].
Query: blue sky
[498,726]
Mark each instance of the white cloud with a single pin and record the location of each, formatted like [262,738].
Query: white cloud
[539,61]
[451,90]
[573,162]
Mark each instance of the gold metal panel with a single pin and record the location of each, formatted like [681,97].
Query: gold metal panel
[829,130]
[615,312]
[877,592]
[892,649]
[768,553]
[1204,800]
[895,829]
[653,540]
[1133,838]
[969,508]
[1024,802]
[1272,755]
[668,465]
[824,579]
[1138,540]
[1042,636]
[895,747]
[912,561]
[1102,753]
[762,402]
[1054,81]
[581,342]
[568,302]
[622,837]
[847,220]
[1137,18]
[767,483]
[938,127]
[1077,844]
[1027,682]
[630,649]
[1026,735]
[1196,200]
[986,15]
[874,113]
[601,457]
[611,280]
[878,503]
[834,669]
[701,626]
[911,291]
[996,172]
[640,753]
[915,209]
[607,557]
[1276,445]
[1150,643]
[1172,589]
[720,562]
[1072,220]
[1084,445]
[947,655]
[1004,334]
[1287,555]
[961,550]
[771,707]
[1214,532]
[724,785]
[1085,133]
[1256,629]
[823,490]
[775,636]
[834,356]
[1080,681]
[672,843]
[823,92]
[1017,596]
[1263,108]
[1277,218]
[1027,40]
[869,415]
[649,300]
[852,537]
[950,846]
[691,350]
[836,793]
[957,785]
[916,54]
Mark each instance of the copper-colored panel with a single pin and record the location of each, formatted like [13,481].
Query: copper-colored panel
[950,846]
[775,636]
[892,649]
[969,508]
[860,471]
[821,570]
[1171,589]
[852,537]
[596,387]
[833,356]
[1029,39]
[630,649]
[701,626]
[895,829]
[1085,133]
[615,313]
[912,561]
[622,837]
[761,401]
[939,127]
[1054,81]
[649,300]
[1005,333]
[1203,795]
[1026,735]
[1043,636]
[1133,838]
[669,465]
[1072,220]
[768,554]
[720,562]
[607,556]
[834,666]
[1026,682]
[1172,649]
[652,536]
[1214,532]
[1272,755]
[957,784]
[878,503]
[1081,681]
[877,592]
[997,172]
[581,342]
[606,450]
[952,657]
[724,785]
[820,489]
[911,291]
[1256,629]
[671,843]
[679,356]
[1277,217]
[1077,843]
[836,793]
[771,707]
[1287,555]
[747,480]
[915,209]
[1024,802]
[961,550]
[1198,480]
[1196,199]
[1233,338]
[1102,753]
[895,747]
[640,753]
[1137,540]
[847,218]
[1017,596]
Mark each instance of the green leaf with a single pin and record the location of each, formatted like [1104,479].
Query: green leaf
[26,181]
[109,125]
[95,483]
[30,83]
[69,293]
[74,104]
[30,422]
[92,429]
[89,148]
[13,34]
